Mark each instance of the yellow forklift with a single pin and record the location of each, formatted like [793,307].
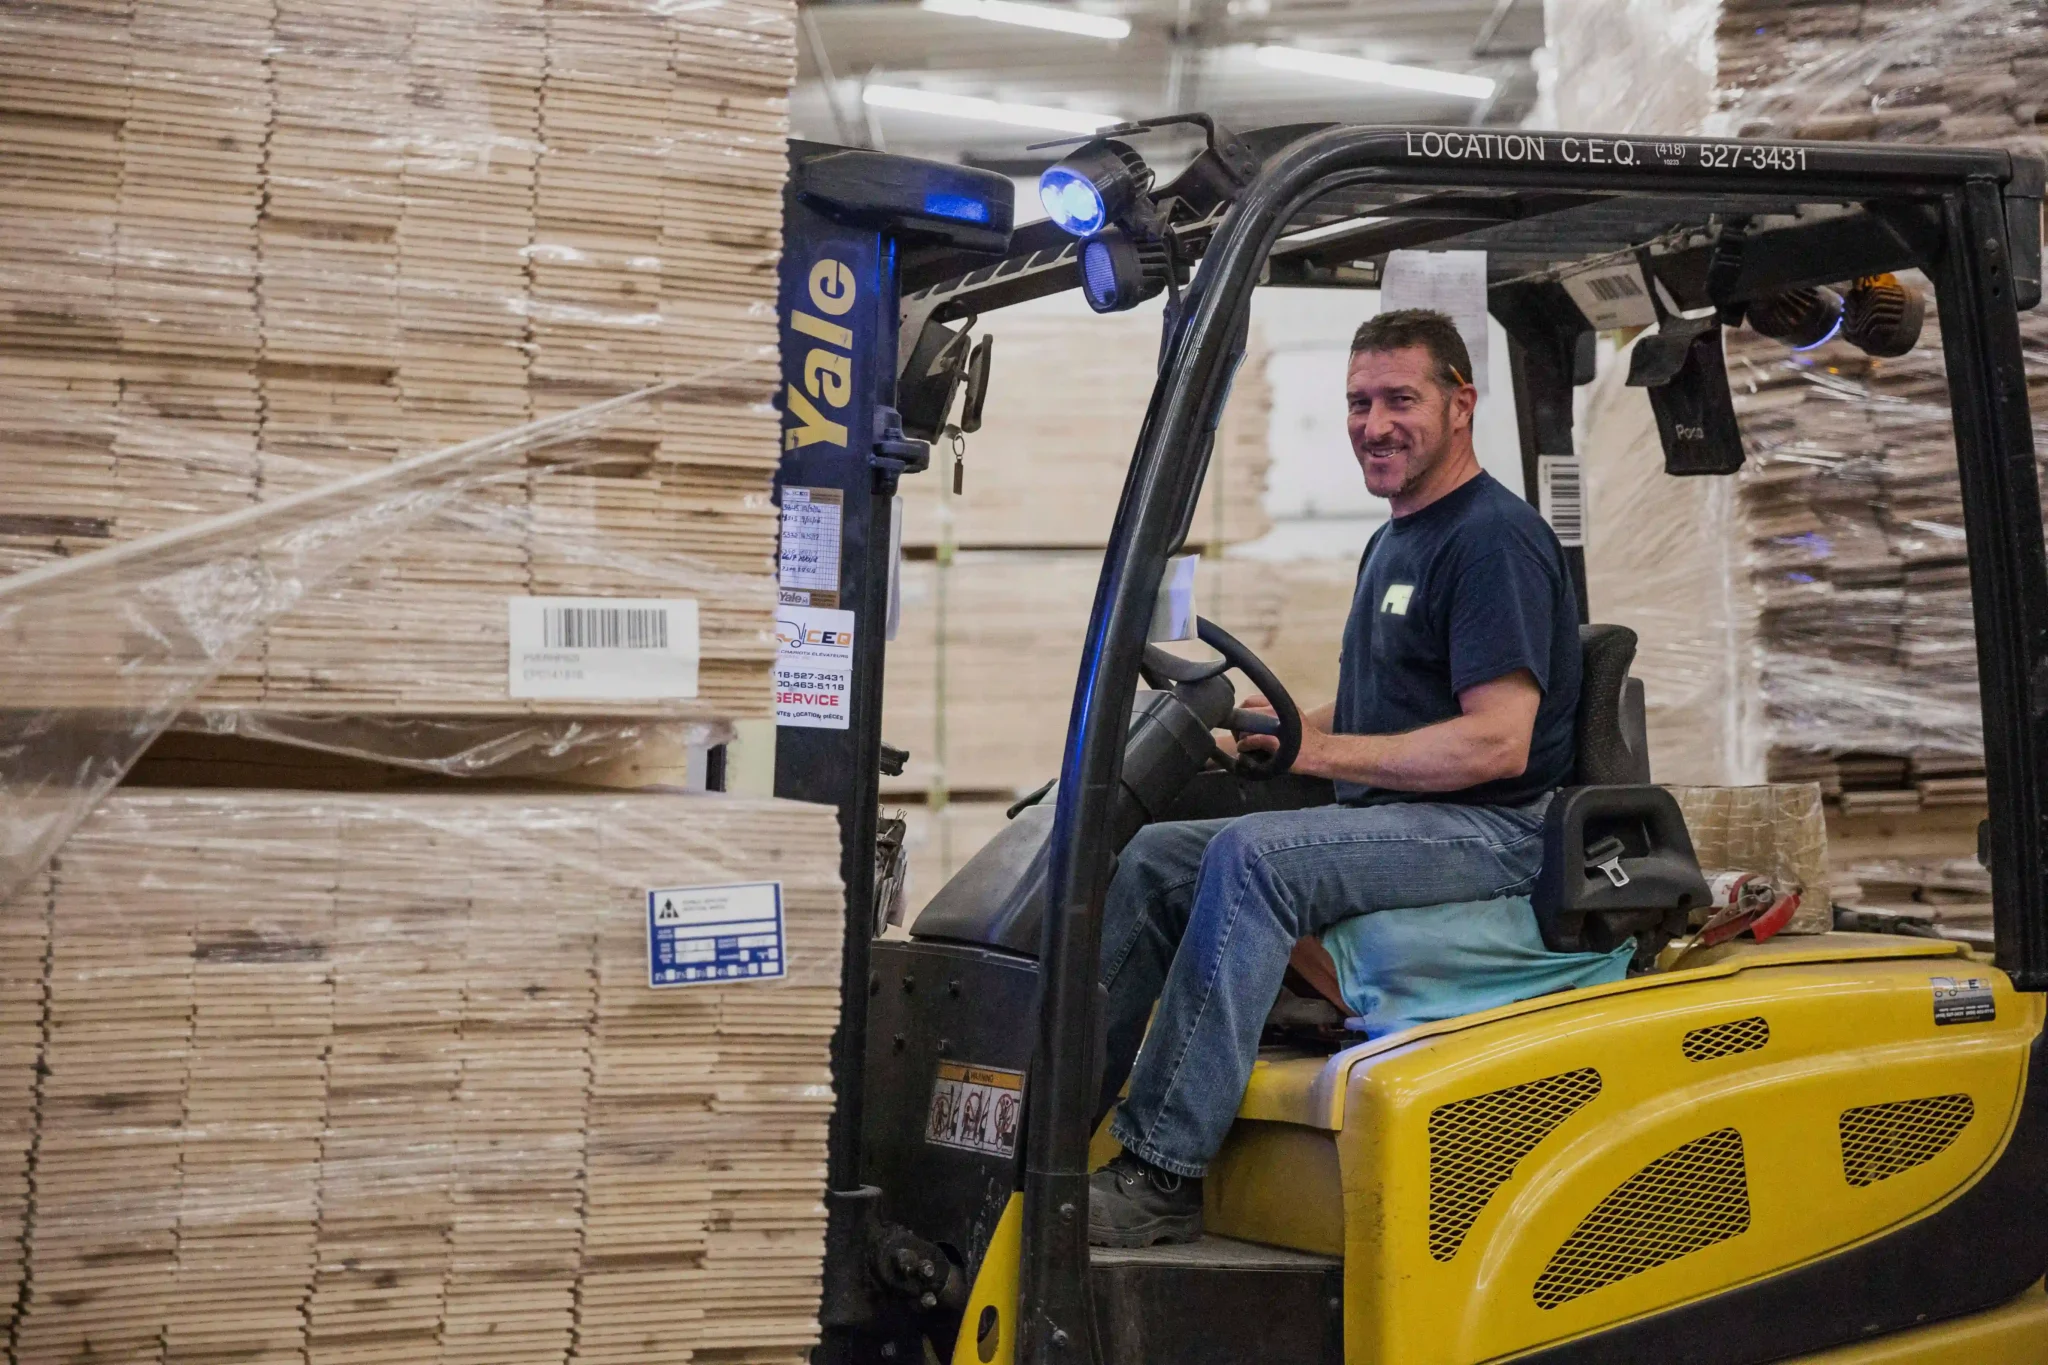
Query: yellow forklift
[1824,1148]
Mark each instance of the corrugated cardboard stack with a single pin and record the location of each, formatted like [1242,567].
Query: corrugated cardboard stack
[1067,394]
[1854,508]
[425,1103]
[261,249]
[1857,596]
[381,1076]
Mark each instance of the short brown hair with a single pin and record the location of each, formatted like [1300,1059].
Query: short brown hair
[1434,332]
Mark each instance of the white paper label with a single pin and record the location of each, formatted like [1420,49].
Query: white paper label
[1611,296]
[813,667]
[811,520]
[602,648]
[1450,282]
[1173,611]
[702,935]
[1561,493]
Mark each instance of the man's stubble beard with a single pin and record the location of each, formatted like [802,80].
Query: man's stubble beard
[1421,467]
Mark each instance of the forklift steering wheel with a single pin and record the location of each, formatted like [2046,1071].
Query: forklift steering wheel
[1162,669]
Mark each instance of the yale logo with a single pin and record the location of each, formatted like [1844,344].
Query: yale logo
[828,373]
[1395,603]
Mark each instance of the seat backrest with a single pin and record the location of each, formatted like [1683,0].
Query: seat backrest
[1606,756]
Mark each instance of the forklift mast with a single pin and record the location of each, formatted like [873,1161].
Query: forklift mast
[849,218]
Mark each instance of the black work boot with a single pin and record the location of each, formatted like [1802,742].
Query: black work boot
[1132,1203]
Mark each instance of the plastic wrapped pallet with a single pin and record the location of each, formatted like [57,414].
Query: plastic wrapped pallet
[980,678]
[335,1078]
[1066,397]
[249,251]
[1778,831]
[1841,649]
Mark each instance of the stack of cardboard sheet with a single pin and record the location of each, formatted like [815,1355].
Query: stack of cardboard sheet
[1834,627]
[981,674]
[1851,511]
[352,1078]
[1066,397]
[1873,589]
[261,248]
[1956,71]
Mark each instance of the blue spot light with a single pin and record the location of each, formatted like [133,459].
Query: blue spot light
[963,208]
[1072,201]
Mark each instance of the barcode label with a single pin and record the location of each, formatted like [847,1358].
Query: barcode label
[1561,493]
[1611,288]
[1611,296]
[605,627]
[601,648]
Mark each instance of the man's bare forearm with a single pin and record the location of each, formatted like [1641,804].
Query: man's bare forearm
[1449,756]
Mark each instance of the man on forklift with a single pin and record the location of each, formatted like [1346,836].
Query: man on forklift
[1452,726]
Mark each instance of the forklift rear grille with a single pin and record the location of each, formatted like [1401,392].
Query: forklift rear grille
[1687,1199]
[1725,1040]
[1880,1140]
[1475,1145]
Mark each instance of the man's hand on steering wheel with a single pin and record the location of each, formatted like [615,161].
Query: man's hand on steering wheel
[1257,741]
[1313,736]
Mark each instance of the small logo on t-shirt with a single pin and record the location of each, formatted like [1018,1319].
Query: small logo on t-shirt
[1396,601]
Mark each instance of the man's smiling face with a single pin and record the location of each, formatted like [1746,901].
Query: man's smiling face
[1402,419]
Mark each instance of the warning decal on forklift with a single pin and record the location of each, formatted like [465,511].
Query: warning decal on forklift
[976,1108]
[1963,1000]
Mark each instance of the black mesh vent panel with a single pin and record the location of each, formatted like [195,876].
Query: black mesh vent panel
[1475,1145]
[1725,1040]
[1880,1140]
[1687,1199]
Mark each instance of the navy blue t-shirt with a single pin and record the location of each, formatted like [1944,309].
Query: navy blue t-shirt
[1469,589]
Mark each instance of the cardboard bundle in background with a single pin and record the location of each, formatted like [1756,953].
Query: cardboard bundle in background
[981,674]
[1066,397]
[260,249]
[333,1078]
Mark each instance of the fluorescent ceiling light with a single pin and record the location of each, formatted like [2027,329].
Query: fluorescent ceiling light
[1377,73]
[1053,17]
[986,111]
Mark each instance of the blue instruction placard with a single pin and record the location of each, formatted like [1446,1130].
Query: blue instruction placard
[703,935]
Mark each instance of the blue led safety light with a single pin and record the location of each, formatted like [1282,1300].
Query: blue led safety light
[1099,284]
[959,207]
[1072,201]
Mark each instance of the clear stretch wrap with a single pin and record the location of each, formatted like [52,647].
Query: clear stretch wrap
[99,654]
[259,263]
[1778,831]
[1814,621]
[320,1077]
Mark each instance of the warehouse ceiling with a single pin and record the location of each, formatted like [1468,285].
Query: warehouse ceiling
[1179,55]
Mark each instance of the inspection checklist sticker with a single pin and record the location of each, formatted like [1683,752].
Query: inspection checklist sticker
[701,935]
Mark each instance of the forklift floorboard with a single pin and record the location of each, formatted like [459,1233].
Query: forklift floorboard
[1218,1301]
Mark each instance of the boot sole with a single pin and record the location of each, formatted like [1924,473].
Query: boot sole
[1172,1230]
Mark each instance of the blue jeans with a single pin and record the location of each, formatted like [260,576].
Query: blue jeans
[1202,914]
